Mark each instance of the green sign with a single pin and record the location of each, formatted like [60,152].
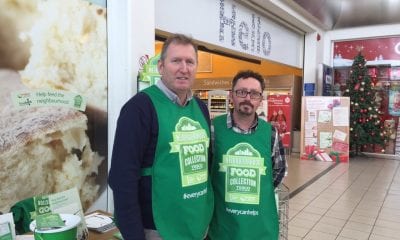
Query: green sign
[42,205]
[44,98]
[243,166]
[49,221]
[5,231]
[191,141]
[150,72]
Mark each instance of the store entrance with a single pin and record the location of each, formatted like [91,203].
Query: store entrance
[283,92]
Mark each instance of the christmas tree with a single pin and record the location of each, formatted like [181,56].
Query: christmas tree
[366,123]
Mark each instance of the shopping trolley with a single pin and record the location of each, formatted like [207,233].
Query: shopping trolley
[282,199]
[283,210]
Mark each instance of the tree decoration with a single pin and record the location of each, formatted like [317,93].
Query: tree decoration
[366,121]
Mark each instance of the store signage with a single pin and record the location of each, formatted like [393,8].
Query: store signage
[226,25]
[377,51]
[250,34]
[212,83]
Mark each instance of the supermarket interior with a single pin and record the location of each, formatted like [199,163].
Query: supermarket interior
[332,92]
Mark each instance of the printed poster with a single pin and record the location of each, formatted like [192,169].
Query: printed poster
[377,51]
[341,116]
[53,100]
[279,116]
[394,101]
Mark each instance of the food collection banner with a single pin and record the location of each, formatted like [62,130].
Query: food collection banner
[53,99]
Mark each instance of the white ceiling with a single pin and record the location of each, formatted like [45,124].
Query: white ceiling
[329,14]
[336,14]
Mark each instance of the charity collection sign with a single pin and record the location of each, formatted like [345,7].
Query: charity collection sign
[190,140]
[44,98]
[243,166]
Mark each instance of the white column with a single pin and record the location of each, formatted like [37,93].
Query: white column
[131,34]
[313,57]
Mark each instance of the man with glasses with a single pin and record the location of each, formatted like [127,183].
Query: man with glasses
[248,163]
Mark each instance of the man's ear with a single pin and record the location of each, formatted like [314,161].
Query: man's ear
[230,96]
[160,66]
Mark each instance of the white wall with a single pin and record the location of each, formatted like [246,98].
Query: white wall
[310,57]
[131,32]
[313,48]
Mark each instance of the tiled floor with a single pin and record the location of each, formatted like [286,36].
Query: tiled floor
[359,200]
[301,173]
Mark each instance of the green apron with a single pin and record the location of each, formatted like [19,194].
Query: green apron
[245,206]
[182,196]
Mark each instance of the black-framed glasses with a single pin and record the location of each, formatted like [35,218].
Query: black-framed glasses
[244,93]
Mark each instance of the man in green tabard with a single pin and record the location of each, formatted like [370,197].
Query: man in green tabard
[248,163]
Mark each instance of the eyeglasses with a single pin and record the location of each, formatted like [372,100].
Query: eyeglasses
[244,93]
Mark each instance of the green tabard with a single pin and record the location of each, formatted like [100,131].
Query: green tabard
[245,206]
[182,196]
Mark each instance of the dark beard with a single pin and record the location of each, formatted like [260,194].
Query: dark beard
[246,113]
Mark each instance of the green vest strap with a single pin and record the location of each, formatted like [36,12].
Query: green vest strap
[146,171]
